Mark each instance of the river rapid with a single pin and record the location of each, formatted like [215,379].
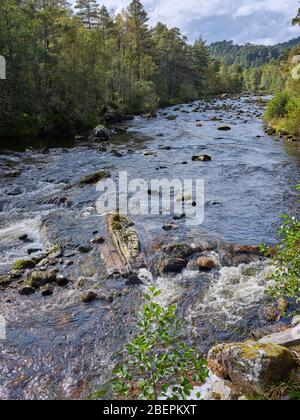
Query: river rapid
[58,347]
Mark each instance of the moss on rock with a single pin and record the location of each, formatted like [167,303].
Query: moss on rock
[253,367]
[23,264]
[94,178]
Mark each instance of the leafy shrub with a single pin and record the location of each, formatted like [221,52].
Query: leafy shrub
[278,106]
[287,262]
[293,118]
[155,363]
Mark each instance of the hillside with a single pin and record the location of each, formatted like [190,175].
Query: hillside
[249,55]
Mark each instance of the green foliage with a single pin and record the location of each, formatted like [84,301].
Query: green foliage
[65,66]
[287,262]
[278,106]
[249,55]
[155,363]
[293,117]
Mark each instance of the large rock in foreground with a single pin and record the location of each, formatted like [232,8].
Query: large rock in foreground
[253,367]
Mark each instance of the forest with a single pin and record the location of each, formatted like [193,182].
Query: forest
[71,68]
[283,111]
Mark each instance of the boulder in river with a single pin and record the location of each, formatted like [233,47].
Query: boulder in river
[88,297]
[201,158]
[224,128]
[206,263]
[171,117]
[26,291]
[172,265]
[253,367]
[100,133]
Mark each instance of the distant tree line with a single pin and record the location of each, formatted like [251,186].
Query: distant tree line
[67,66]
[70,68]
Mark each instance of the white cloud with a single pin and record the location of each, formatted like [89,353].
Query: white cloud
[264,21]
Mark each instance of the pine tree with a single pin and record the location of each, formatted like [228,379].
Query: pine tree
[104,18]
[137,13]
[88,12]
[296,20]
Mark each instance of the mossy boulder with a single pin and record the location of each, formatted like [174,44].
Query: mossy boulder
[253,367]
[37,279]
[5,280]
[100,133]
[94,178]
[23,265]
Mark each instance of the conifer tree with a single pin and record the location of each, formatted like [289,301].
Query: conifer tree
[88,12]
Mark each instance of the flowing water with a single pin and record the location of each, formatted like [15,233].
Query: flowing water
[58,347]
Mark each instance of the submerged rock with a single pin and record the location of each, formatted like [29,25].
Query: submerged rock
[133,280]
[94,178]
[224,128]
[252,367]
[26,291]
[88,297]
[201,158]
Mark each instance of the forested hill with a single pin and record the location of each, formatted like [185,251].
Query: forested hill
[249,55]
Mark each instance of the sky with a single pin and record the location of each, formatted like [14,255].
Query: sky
[257,21]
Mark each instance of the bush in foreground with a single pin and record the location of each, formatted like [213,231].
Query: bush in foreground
[155,364]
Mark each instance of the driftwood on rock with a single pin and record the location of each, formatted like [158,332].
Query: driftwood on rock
[122,251]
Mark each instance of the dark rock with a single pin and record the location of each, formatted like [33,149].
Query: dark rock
[133,280]
[169,227]
[201,158]
[172,265]
[14,191]
[98,240]
[88,297]
[182,251]
[61,280]
[100,133]
[179,217]
[116,153]
[47,291]
[84,249]
[33,250]
[26,291]
[224,128]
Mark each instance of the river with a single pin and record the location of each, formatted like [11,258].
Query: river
[59,347]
